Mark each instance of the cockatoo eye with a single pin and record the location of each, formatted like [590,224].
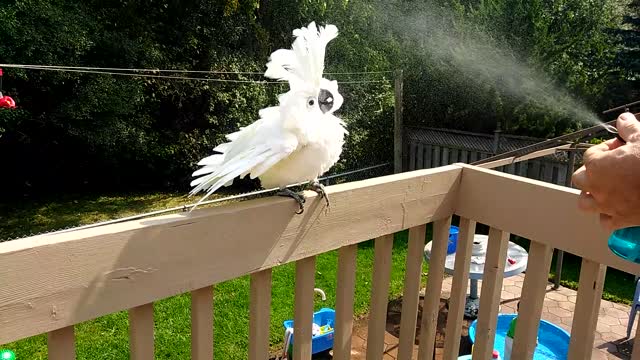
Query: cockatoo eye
[325,99]
[311,101]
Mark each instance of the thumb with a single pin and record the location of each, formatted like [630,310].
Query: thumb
[628,127]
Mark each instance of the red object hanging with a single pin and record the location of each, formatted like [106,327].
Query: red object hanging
[7,102]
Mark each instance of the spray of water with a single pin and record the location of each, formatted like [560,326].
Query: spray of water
[477,55]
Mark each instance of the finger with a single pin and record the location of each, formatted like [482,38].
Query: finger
[596,151]
[614,143]
[587,203]
[579,178]
[628,126]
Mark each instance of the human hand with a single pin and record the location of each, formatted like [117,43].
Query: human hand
[610,177]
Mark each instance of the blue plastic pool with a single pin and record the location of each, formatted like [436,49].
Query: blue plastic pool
[553,341]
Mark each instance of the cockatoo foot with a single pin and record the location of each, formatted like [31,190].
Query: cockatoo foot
[286,192]
[319,188]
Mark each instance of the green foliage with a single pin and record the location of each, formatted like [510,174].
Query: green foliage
[467,65]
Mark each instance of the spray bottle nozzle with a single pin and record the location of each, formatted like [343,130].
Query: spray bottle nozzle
[612,129]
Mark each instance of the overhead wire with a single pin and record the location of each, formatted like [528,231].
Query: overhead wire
[136,72]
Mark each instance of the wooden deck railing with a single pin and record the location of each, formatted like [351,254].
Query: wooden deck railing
[52,282]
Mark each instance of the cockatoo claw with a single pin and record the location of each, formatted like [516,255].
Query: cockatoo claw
[286,192]
[319,188]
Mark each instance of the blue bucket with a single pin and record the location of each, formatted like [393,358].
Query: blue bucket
[453,239]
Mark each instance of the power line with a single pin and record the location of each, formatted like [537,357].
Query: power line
[61,68]
[82,70]
[159,76]
[365,81]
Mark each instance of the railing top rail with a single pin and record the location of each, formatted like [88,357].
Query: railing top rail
[536,210]
[57,280]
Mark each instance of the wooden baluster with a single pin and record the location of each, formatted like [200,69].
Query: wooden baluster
[303,312]
[260,315]
[459,288]
[344,302]
[431,305]
[141,332]
[533,292]
[491,293]
[379,297]
[585,316]
[202,324]
[61,344]
[411,293]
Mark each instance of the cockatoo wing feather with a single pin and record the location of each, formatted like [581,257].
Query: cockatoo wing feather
[253,150]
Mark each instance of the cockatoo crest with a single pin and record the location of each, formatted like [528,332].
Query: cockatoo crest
[303,65]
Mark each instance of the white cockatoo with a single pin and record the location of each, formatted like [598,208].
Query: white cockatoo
[294,142]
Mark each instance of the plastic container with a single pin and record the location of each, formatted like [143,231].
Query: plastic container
[553,341]
[626,243]
[319,343]
[453,239]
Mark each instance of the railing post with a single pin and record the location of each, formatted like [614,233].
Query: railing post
[567,180]
[398,138]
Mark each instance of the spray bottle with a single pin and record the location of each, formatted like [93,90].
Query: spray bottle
[625,242]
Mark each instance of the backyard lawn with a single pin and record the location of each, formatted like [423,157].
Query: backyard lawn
[107,337]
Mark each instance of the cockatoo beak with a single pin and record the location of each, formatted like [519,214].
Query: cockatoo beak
[325,100]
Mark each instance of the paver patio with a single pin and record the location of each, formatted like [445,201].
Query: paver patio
[610,342]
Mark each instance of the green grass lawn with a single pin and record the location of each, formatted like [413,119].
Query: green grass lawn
[107,337]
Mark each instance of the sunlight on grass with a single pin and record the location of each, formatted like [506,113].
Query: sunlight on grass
[21,220]
[107,336]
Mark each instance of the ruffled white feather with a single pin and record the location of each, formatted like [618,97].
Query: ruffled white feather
[291,142]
